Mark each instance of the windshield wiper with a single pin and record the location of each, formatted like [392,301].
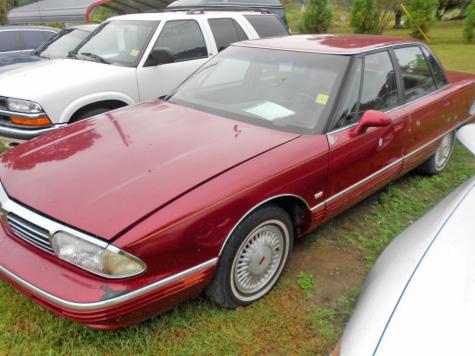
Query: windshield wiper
[95,56]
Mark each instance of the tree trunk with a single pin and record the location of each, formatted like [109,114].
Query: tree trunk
[4,7]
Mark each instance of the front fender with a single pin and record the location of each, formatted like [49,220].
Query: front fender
[79,103]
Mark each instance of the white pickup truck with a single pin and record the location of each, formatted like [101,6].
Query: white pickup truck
[126,60]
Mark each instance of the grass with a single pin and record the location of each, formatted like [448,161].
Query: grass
[297,317]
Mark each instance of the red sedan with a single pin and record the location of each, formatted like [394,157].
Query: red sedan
[120,217]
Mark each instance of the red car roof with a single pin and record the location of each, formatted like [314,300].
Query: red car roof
[329,43]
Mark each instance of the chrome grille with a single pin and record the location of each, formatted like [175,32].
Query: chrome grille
[29,232]
[3,103]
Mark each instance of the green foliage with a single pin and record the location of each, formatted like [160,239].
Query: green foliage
[469,23]
[100,14]
[306,281]
[317,17]
[365,16]
[422,16]
[3,12]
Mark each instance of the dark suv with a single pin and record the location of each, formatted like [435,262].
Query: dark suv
[17,40]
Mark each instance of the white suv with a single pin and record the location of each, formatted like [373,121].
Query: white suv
[126,60]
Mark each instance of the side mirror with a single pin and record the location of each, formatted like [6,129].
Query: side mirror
[160,56]
[466,135]
[370,118]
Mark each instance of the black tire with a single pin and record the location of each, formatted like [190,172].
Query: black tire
[259,249]
[81,115]
[436,163]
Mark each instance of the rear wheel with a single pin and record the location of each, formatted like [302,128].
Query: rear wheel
[439,160]
[253,259]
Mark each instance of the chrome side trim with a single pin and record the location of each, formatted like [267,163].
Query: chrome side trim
[109,302]
[21,114]
[254,208]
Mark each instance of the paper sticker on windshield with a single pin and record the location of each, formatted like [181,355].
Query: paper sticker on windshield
[322,99]
[134,52]
[269,111]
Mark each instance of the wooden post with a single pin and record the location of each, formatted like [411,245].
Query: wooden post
[408,14]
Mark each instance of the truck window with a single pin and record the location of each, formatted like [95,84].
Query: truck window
[184,39]
[34,39]
[225,32]
[267,25]
[8,41]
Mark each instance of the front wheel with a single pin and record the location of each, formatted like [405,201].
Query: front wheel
[439,160]
[253,259]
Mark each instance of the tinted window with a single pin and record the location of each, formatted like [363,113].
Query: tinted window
[416,75]
[34,39]
[184,39]
[284,90]
[347,112]
[267,25]
[439,74]
[225,32]
[379,90]
[8,41]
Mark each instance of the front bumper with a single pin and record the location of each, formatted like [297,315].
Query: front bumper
[15,134]
[69,291]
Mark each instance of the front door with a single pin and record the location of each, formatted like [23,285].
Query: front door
[360,164]
[185,41]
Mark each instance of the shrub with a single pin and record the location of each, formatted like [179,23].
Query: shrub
[364,17]
[469,22]
[317,17]
[421,16]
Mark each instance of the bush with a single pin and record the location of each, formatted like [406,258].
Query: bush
[469,22]
[317,17]
[421,16]
[364,17]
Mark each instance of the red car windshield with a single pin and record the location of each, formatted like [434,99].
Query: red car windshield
[285,90]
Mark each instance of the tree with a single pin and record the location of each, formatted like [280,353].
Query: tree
[468,32]
[371,16]
[317,17]
[421,17]
[4,6]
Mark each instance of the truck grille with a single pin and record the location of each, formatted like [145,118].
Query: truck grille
[29,232]
[3,103]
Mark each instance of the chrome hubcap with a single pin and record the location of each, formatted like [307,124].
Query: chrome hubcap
[258,258]
[443,152]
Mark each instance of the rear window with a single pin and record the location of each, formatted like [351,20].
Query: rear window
[439,74]
[225,32]
[34,39]
[8,41]
[415,71]
[267,25]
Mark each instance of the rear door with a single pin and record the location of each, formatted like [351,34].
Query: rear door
[186,41]
[360,165]
[428,108]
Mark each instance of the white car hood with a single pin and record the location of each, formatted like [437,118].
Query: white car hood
[58,75]
[436,313]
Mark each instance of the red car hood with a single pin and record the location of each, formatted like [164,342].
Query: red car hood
[104,174]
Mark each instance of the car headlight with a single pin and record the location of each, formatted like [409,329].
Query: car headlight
[24,106]
[96,257]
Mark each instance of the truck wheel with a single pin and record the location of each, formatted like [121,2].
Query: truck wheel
[253,259]
[438,161]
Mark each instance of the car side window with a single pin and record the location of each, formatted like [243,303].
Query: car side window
[267,25]
[225,32]
[34,39]
[439,75]
[415,71]
[346,113]
[184,39]
[379,90]
[8,41]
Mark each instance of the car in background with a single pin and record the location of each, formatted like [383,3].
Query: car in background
[57,46]
[119,217]
[128,59]
[23,40]
[273,6]
[419,298]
